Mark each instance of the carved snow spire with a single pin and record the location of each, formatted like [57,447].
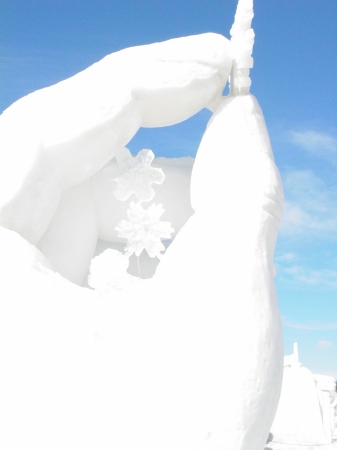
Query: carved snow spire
[242,40]
[295,354]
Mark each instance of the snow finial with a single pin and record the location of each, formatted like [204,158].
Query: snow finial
[292,360]
[296,360]
[242,40]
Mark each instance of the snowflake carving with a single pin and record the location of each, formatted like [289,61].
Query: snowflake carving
[144,230]
[135,175]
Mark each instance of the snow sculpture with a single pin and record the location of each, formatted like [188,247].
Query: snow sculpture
[173,193]
[59,147]
[149,366]
[135,175]
[144,230]
[306,411]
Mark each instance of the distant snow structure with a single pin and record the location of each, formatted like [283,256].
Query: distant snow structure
[292,360]
[306,414]
[242,41]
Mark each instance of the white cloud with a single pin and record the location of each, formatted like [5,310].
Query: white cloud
[316,142]
[312,326]
[286,257]
[324,344]
[297,220]
[310,206]
[310,276]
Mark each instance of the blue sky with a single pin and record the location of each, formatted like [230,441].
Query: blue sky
[45,41]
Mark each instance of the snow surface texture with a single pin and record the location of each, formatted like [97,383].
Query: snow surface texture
[189,360]
[306,415]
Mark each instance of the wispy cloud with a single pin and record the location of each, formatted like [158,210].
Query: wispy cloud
[317,142]
[313,326]
[324,344]
[310,207]
[309,276]
[286,257]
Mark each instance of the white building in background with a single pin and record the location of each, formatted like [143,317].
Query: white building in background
[307,412]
